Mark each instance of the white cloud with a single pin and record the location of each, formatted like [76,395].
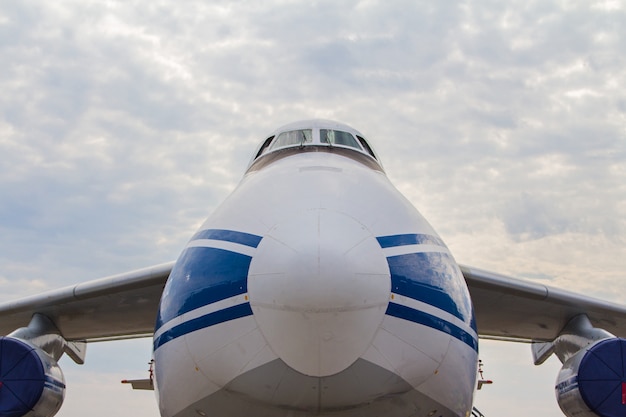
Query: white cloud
[13,289]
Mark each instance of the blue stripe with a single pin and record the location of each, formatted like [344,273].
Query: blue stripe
[52,387]
[208,320]
[568,385]
[434,322]
[432,278]
[200,277]
[54,382]
[409,239]
[246,239]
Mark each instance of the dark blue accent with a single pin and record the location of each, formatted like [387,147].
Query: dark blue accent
[409,239]
[22,377]
[229,236]
[434,322]
[54,383]
[600,376]
[435,279]
[568,385]
[208,320]
[202,276]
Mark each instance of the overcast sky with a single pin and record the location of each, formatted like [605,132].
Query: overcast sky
[124,123]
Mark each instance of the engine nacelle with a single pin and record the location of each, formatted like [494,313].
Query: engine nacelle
[592,383]
[31,382]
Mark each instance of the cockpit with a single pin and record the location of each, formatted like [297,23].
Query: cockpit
[310,135]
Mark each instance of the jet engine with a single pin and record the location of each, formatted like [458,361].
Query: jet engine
[31,382]
[592,383]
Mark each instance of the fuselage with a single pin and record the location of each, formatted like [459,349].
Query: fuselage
[316,288]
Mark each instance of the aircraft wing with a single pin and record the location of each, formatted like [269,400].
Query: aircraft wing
[125,305]
[512,309]
[119,306]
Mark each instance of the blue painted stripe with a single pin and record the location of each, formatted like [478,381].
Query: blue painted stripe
[201,277]
[432,278]
[434,322]
[246,239]
[54,382]
[409,239]
[568,385]
[52,387]
[208,320]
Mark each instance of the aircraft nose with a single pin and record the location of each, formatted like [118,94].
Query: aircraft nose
[319,286]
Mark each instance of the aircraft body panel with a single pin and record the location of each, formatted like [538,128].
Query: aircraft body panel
[348,276]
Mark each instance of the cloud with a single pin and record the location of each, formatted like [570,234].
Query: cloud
[529,217]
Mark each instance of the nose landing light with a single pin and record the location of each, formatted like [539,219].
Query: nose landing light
[319,286]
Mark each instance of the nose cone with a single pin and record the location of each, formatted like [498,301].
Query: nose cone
[319,286]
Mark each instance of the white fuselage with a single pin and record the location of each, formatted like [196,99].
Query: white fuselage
[316,288]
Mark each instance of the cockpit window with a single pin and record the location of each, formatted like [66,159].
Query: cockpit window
[294,137]
[264,146]
[318,136]
[365,146]
[337,137]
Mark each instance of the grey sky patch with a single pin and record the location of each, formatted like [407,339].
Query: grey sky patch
[536,276]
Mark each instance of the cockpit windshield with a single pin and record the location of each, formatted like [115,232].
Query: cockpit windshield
[314,136]
[337,137]
[293,137]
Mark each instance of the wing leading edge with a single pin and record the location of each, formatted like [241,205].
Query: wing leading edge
[118,306]
[512,309]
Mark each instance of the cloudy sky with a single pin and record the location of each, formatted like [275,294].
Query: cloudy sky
[124,123]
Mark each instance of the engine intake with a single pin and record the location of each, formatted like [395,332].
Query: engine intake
[592,383]
[31,382]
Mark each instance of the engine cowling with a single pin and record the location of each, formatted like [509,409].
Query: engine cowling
[592,383]
[31,382]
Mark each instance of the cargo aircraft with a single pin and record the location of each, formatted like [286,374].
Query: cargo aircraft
[315,289]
